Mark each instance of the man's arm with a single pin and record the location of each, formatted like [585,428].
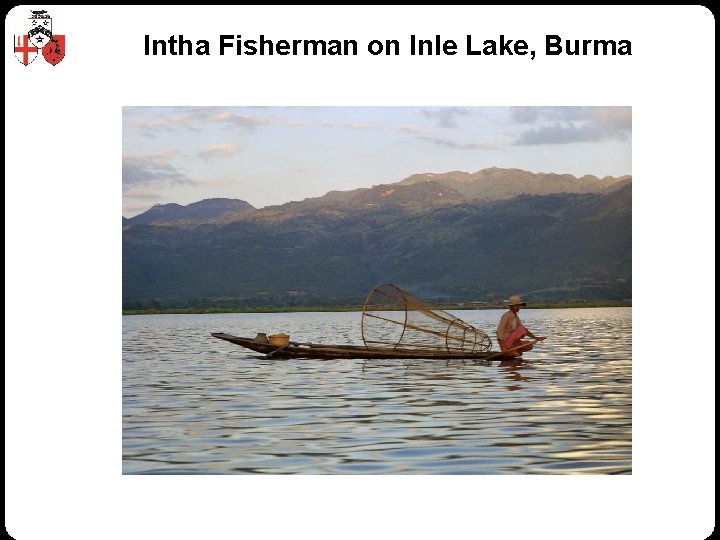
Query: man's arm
[539,338]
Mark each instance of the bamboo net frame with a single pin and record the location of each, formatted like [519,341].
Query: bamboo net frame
[393,318]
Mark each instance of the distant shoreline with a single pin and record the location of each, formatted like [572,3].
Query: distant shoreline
[340,309]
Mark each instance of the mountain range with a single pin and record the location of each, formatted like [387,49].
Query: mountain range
[207,209]
[454,237]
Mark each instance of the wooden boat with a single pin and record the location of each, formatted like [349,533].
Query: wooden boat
[394,324]
[329,352]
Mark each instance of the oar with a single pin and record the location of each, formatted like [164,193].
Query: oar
[293,343]
[268,355]
[501,353]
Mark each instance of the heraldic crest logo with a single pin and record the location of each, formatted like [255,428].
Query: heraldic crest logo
[38,38]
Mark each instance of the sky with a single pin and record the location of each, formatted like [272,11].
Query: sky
[273,155]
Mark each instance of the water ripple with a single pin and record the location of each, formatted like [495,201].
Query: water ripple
[195,405]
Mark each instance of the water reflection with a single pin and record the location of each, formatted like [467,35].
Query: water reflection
[195,404]
[514,370]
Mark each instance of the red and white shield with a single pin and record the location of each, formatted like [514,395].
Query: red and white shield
[40,30]
[24,51]
[55,50]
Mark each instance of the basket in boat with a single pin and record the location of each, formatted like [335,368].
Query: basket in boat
[279,339]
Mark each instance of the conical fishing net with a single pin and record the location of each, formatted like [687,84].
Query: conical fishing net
[393,318]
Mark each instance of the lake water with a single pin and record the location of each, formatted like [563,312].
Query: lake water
[193,404]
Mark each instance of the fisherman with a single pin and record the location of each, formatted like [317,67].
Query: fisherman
[511,330]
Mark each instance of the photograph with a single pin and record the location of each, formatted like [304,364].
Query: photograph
[338,290]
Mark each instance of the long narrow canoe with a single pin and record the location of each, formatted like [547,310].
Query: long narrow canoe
[327,352]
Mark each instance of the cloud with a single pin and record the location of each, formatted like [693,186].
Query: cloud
[613,117]
[218,151]
[188,119]
[524,115]
[236,120]
[564,125]
[198,118]
[415,130]
[559,134]
[141,193]
[459,146]
[326,123]
[152,170]
[446,118]
[214,181]
[346,125]
[159,126]
[530,115]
